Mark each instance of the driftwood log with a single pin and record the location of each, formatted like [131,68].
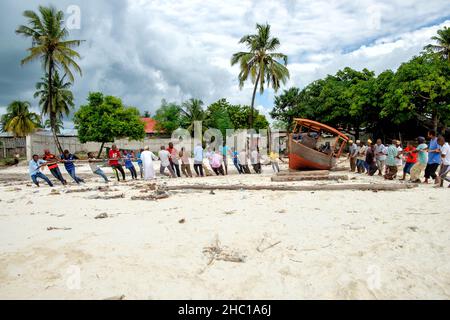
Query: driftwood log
[308,178]
[304,173]
[327,187]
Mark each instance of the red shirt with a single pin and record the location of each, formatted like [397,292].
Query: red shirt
[114,154]
[410,157]
[50,158]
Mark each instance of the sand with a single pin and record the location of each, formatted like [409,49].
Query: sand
[291,245]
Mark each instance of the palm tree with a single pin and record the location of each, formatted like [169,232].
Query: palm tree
[261,63]
[50,44]
[192,110]
[62,101]
[443,43]
[57,127]
[19,120]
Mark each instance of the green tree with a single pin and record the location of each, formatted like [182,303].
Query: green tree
[50,44]
[239,117]
[168,117]
[289,105]
[105,119]
[18,119]
[420,89]
[217,116]
[191,111]
[442,46]
[261,63]
[61,104]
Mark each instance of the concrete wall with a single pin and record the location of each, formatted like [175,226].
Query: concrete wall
[9,146]
[37,142]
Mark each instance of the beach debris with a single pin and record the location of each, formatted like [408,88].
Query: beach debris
[106,197]
[182,220]
[58,228]
[262,246]
[216,252]
[230,212]
[157,195]
[121,297]
[413,228]
[29,202]
[281,211]
[211,192]
[54,192]
[102,215]
[78,190]
[13,189]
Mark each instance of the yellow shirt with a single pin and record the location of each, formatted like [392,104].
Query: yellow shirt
[274,156]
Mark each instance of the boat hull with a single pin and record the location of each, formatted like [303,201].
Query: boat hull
[304,158]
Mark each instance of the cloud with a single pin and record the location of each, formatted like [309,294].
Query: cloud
[147,50]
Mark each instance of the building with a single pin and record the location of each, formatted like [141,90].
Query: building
[150,126]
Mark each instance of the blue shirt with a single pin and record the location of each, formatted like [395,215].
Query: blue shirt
[198,154]
[128,162]
[139,160]
[69,165]
[433,157]
[224,150]
[33,166]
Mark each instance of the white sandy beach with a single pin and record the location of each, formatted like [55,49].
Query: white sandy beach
[326,244]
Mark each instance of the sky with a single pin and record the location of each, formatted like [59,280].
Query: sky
[144,51]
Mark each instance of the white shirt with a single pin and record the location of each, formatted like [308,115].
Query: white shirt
[255,157]
[399,161]
[164,157]
[198,154]
[445,151]
[242,156]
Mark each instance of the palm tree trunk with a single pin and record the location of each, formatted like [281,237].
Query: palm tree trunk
[50,102]
[100,151]
[435,121]
[253,101]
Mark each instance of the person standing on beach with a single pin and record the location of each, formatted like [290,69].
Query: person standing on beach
[68,159]
[225,151]
[243,161]
[139,162]
[380,156]
[234,155]
[174,163]
[93,164]
[445,162]
[434,158]
[216,163]
[185,163]
[34,167]
[370,160]
[360,158]
[114,158]
[391,164]
[198,160]
[274,156]
[399,157]
[422,159]
[164,156]
[352,154]
[129,164]
[410,159]
[147,158]
[52,164]
[255,160]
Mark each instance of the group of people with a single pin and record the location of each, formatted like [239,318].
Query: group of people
[413,160]
[173,163]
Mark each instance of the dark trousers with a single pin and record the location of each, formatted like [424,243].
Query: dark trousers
[141,170]
[430,170]
[407,167]
[257,167]
[219,170]
[225,164]
[71,172]
[41,176]
[352,164]
[176,169]
[391,172]
[236,164]
[133,172]
[245,168]
[58,175]
[118,168]
[198,168]
[372,168]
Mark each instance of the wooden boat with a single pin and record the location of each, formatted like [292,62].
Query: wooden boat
[305,149]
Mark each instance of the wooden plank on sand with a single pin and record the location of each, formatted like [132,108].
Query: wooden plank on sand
[308,178]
